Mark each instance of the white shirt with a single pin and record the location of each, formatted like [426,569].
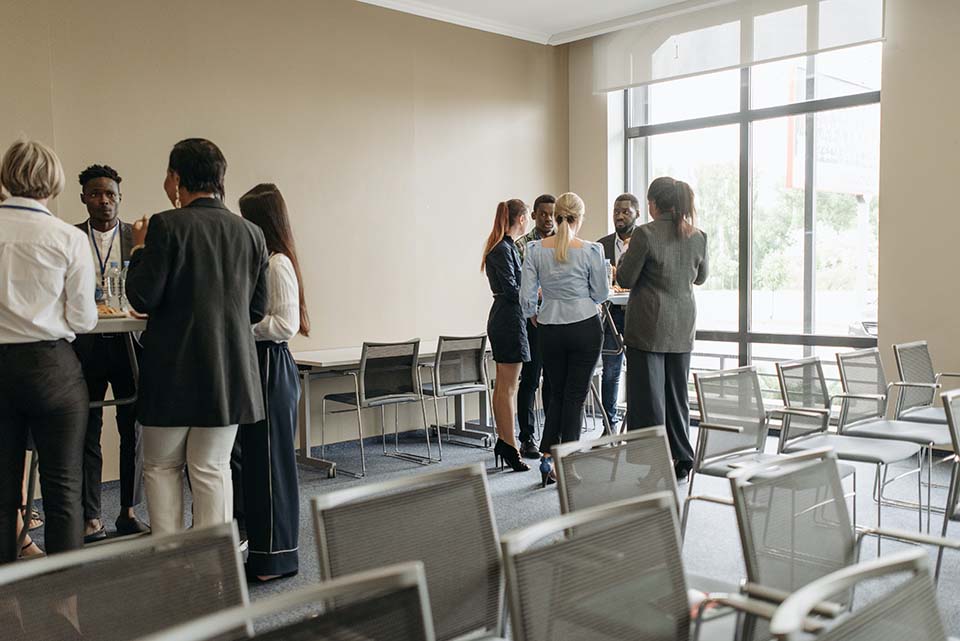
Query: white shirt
[619,247]
[282,321]
[47,283]
[108,242]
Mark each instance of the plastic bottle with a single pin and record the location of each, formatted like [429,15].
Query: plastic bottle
[124,304]
[112,285]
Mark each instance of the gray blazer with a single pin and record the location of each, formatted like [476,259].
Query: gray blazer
[660,269]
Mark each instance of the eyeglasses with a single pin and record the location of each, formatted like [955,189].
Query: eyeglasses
[112,196]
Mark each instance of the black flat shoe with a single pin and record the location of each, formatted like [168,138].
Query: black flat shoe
[682,470]
[131,525]
[93,537]
[529,449]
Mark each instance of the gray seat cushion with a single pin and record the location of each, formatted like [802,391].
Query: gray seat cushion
[855,448]
[919,433]
[725,466]
[454,390]
[925,415]
[350,398]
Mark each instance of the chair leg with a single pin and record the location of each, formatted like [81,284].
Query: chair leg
[383,429]
[929,484]
[948,510]
[363,457]
[426,429]
[323,423]
[686,505]
[881,484]
[920,491]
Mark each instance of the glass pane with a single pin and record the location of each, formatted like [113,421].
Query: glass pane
[709,356]
[780,34]
[708,159]
[684,99]
[846,21]
[847,144]
[778,83]
[846,72]
[764,357]
[779,153]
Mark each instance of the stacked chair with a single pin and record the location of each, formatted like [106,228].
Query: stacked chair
[459,368]
[389,604]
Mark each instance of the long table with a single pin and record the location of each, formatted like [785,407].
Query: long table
[341,361]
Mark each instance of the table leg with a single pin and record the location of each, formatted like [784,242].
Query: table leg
[303,456]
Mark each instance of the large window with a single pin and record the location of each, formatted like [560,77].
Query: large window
[784,160]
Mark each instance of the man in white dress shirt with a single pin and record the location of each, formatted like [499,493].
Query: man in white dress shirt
[105,360]
[46,299]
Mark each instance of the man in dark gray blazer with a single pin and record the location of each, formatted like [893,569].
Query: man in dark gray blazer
[626,209]
[201,277]
[105,362]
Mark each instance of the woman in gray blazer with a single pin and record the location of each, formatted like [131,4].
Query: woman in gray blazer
[665,259]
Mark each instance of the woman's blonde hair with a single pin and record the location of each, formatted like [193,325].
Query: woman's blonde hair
[30,169]
[569,211]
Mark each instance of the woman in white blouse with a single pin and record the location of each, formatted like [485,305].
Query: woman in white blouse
[270,493]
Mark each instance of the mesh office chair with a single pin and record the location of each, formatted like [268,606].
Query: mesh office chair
[459,368]
[908,612]
[951,405]
[111,592]
[806,418]
[613,468]
[863,408]
[794,526]
[389,374]
[442,518]
[389,604]
[914,366]
[616,576]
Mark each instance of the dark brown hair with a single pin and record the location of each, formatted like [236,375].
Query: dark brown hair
[264,207]
[200,165]
[507,214]
[674,197]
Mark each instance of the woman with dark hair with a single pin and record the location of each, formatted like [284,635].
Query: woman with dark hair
[270,493]
[200,274]
[666,258]
[506,327]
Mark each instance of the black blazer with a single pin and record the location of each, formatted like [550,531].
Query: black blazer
[609,243]
[126,238]
[202,279]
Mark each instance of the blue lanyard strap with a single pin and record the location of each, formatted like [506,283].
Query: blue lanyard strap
[96,247]
[22,208]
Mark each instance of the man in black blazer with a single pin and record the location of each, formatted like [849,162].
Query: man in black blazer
[105,360]
[200,275]
[626,209]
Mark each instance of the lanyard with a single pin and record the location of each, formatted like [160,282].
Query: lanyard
[96,247]
[22,208]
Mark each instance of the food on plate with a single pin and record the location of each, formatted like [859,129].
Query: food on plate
[105,311]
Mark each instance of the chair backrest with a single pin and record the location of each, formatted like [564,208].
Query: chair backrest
[613,468]
[389,604]
[617,577]
[951,407]
[731,397]
[105,592]
[443,518]
[388,369]
[460,363]
[802,384]
[861,372]
[914,365]
[908,610]
[793,520]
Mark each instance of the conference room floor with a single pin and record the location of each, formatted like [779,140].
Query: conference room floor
[711,549]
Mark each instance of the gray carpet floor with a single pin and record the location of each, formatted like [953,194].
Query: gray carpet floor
[711,548]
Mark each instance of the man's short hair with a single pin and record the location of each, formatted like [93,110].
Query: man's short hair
[30,169]
[99,171]
[544,199]
[633,200]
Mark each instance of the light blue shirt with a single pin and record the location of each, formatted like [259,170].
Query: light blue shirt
[571,290]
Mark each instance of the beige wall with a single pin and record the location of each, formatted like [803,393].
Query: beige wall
[392,137]
[919,165]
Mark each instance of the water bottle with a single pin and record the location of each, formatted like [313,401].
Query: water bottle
[124,304]
[112,285]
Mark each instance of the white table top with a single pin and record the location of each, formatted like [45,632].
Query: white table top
[342,357]
[119,325]
[618,298]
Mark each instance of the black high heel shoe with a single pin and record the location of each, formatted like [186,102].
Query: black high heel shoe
[547,475]
[503,453]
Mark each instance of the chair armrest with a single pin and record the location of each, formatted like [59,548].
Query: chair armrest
[741,603]
[809,412]
[721,428]
[909,384]
[430,365]
[946,375]
[907,537]
[860,397]
[775,595]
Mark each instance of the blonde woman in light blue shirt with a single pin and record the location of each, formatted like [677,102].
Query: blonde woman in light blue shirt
[571,274]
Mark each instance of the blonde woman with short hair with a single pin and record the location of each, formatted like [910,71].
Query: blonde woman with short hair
[47,301]
[572,276]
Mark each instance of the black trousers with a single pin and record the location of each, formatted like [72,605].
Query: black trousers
[271,493]
[570,356]
[105,361]
[657,395]
[529,382]
[42,391]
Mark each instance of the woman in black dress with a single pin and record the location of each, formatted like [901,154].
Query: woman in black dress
[506,327]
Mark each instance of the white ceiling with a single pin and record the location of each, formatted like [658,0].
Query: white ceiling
[543,21]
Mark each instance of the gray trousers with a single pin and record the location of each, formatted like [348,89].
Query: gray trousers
[657,395]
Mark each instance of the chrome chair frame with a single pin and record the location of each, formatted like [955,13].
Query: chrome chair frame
[362,402]
[395,577]
[933,384]
[437,391]
[953,493]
